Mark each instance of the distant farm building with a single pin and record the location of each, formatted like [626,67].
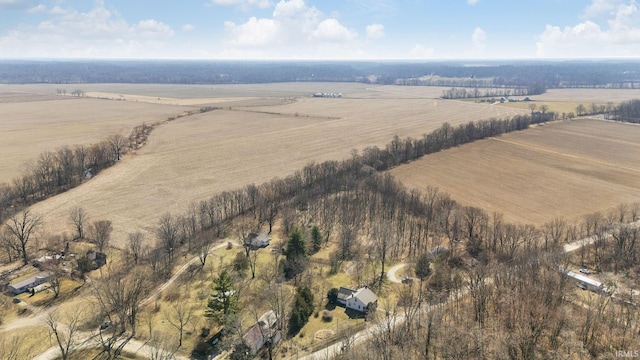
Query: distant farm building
[327,95]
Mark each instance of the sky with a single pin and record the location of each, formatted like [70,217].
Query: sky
[319,29]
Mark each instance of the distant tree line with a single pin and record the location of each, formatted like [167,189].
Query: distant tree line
[472,93]
[533,76]
[57,171]
[628,111]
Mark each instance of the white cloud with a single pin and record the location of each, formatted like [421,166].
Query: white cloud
[295,30]
[478,38]
[620,36]
[255,32]
[420,51]
[245,4]
[188,28]
[472,2]
[601,7]
[96,33]
[375,31]
[57,10]
[331,30]
[152,29]
[38,9]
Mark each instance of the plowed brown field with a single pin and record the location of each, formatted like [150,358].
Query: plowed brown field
[566,169]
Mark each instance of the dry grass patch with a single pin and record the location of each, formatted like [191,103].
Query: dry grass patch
[566,169]
[26,342]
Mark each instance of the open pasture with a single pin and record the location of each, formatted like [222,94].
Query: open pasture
[192,158]
[33,123]
[566,169]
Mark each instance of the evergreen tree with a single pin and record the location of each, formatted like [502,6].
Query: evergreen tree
[296,255]
[224,301]
[301,310]
[316,238]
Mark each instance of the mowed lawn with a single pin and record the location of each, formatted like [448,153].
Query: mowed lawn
[193,158]
[566,169]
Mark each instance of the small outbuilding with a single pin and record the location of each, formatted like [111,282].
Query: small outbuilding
[97,259]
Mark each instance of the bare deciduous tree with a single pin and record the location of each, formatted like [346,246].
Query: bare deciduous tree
[204,246]
[78,217]
[101,233]
[56,275]
[8,243]
[179,315]
[168,235]
[64,333]
[117,143]
[121,294]
[22,227]
[135,245]
[161,346]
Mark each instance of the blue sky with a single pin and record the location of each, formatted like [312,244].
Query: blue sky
[314,29]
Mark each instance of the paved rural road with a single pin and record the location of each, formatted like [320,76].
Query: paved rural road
[391,274]
[133,346]
[335,349]
[591,239]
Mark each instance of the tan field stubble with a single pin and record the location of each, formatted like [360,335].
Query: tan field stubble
[566,169]
[193,158]
[29,128]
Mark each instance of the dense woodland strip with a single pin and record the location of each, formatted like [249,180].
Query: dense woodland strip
[628,111]
[535,76]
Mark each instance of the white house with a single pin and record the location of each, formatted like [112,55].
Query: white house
[361,299]
[25,285]
[344,294]
[256,241]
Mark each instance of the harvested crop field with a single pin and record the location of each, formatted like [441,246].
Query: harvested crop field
[566,169]
[34,123]
[587,96]
[194,157]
